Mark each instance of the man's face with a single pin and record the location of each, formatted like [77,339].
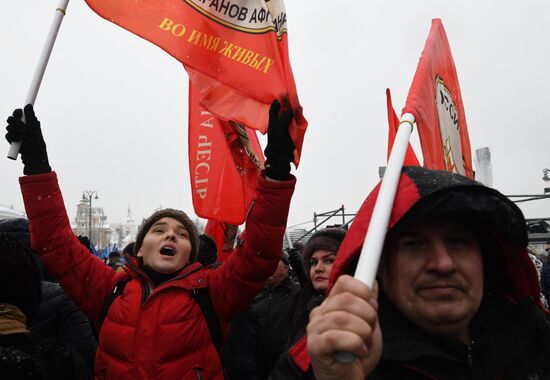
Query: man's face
[278,276]
[433,273]
[320,266]
[166,246]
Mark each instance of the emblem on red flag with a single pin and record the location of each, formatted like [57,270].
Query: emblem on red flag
[449,128]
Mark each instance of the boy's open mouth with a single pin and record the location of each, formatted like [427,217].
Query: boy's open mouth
[167,251]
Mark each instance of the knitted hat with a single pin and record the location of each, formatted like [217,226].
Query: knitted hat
[328,239]
[208,251]
[181,217]
[19,229]
[19,277]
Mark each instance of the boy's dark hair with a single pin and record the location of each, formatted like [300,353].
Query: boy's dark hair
[178,215]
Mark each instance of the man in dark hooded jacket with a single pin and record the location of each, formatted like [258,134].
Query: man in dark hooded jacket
[459,296]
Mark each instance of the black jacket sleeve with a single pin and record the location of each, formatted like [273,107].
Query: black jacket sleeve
[60,319]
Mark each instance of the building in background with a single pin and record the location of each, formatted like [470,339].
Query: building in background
[92,222]
[124,233]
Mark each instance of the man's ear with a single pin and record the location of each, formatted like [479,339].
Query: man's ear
[139,254]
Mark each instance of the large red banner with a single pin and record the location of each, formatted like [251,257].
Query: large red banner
[236,52]
[436,103]
[224,161]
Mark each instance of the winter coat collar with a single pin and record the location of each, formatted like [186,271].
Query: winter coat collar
[489,354]
[191,276]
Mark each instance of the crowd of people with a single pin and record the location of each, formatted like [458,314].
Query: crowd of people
[457,295]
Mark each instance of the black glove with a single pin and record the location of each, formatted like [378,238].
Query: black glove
[279,152]
[33,148]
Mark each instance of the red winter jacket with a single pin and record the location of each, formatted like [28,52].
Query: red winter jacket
[157,333]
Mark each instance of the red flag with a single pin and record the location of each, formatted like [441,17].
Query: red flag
[236,52]
[436,103]
[393,122]
[224,161]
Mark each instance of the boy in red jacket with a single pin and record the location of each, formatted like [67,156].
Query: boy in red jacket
[156,328]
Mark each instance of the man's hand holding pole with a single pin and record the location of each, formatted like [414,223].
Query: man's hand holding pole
[345,322]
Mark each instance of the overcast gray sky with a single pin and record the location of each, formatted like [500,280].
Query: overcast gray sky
[114,107]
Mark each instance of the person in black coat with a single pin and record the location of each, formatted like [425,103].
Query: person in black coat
[270,316]
[318,256]
[260,335]
[24,355]
[58,317]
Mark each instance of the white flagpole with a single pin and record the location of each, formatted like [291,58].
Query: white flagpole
[41,68]
[376,233]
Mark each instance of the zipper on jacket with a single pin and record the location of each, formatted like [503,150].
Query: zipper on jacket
[179,277]
[146,291]
[146,287]
[469,353]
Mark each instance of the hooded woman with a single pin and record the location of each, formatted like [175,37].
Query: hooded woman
[318,257]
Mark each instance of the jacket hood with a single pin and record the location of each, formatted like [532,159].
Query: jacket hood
[424,194]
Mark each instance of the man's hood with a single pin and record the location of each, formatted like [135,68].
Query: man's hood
[426,193]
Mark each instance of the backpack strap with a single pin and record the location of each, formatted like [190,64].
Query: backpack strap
[205,303]
[111,297]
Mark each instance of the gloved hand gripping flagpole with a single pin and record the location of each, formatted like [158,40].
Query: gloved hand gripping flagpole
[376,233]
[41,68]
